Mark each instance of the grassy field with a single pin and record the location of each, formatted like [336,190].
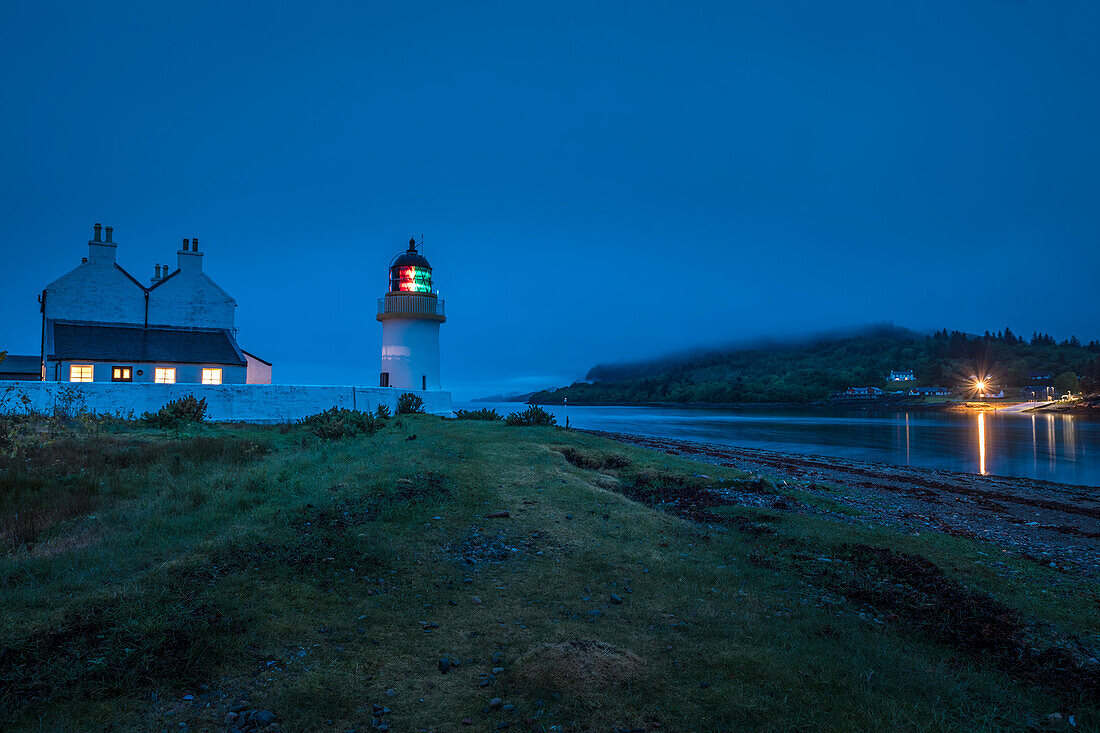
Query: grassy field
[162,579]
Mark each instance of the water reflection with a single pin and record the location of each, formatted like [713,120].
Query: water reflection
[981,444]
[1059,444]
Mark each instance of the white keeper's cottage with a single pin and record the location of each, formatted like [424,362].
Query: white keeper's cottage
[100,324]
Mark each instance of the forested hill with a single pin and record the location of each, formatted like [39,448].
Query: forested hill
[812,371]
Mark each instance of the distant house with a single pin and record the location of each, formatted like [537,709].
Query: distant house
[906,376]
[1040,379]
[21,368]
[930,392]
[863,392]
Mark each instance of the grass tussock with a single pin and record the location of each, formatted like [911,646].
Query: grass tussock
[583,667]
[594,461]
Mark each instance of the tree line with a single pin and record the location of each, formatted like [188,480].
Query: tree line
[811,372]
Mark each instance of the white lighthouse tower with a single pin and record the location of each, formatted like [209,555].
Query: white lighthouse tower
[410,314]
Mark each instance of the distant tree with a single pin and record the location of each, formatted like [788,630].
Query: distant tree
[3,354]
[1067,382]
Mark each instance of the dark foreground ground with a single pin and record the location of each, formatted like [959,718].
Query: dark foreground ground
[1053,524]
[442,575]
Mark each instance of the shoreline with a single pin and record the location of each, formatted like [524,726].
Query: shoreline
[1052,524]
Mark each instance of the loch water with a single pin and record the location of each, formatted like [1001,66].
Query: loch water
[1052,447]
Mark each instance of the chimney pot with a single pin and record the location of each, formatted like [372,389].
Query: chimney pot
[83,260]
[110,234]
[186,244]
[98,228]
[157,276]
[195,244]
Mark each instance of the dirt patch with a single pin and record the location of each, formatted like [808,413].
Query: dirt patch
[577,667]
[592,461]
[915,593]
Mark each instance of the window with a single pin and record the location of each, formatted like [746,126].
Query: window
[211,376]
[384,379]
[80,372]
[424,381]
[164,375]
[122,374]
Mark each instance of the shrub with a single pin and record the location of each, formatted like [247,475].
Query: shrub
[484,414]
[533,415]
[178,412]
[383,412]
[337,422]
[409,403]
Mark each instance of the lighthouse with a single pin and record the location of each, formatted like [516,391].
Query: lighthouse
[410,314]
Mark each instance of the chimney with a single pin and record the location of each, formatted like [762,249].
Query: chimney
[190,259]
[156,276]
[83,260]
[100,251]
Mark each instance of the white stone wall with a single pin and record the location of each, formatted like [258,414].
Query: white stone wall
[238,402]
[259,372]
[96,291]
[191,299]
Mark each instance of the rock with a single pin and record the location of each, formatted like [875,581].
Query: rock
[568,516]
[495,703]
[411,437]
[390,692]
[476,601]
[231,716]
[467,721]
[595,613]
[508,707]
[260,718]
[484,683]
[188,697]
[444,665]
[498,515]
[616,599]
[497,656]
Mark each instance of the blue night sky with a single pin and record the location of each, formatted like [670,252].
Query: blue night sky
[594,182]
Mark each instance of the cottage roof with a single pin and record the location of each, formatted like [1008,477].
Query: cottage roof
[19,364]
[98,342]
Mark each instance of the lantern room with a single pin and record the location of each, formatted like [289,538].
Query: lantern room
[410,272]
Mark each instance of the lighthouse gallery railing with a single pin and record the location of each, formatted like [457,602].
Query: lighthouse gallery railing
[424,304]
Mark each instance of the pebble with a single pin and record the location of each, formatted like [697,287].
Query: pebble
[390,692]
[445,665]
[497,670]
[496,702]
[616,599]
[508,707]
[595,613]
[467,721]
[230,717]
[476,600]
[498,515]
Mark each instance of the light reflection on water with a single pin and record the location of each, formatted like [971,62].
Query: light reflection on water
[1064,448]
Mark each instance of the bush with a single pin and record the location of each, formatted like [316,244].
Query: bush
[409,403]
[178,412]
[484,414]
[337,422]
[383,412]
[533,415]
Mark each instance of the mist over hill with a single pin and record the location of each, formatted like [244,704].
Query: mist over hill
[810,368]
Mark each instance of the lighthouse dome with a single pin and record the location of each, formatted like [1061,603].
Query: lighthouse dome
[410,272]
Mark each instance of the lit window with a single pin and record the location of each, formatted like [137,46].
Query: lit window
[211,376]
[122,374]
[80,373]
[164,375]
